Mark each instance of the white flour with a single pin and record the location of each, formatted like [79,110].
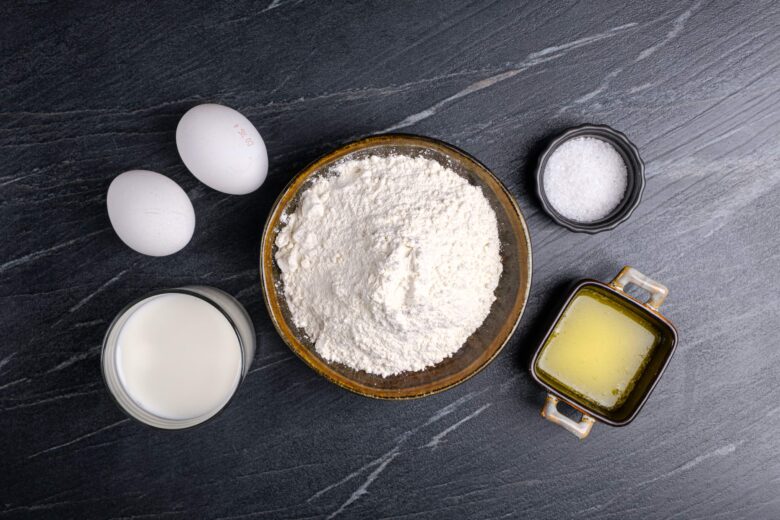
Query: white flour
[389,265]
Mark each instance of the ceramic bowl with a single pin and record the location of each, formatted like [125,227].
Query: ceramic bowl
[486,342]
[636,178]
[646,378]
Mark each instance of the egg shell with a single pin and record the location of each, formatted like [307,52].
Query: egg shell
[150,212]
[222,149]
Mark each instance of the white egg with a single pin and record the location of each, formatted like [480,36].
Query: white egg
[150,212]
[222,149]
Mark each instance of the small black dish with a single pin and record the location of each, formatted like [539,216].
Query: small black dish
[636,178]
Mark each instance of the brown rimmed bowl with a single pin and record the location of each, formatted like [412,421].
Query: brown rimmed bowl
[482,346]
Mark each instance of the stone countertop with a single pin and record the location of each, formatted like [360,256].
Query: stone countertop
[91,90]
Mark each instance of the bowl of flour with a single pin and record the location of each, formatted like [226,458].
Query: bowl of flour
[396,266]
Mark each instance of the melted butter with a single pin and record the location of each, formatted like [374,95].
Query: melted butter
[598,349]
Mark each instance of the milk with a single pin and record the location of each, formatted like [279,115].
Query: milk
[174,359]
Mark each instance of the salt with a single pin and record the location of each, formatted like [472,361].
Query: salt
[585,179]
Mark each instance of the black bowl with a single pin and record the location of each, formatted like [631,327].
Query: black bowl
[634,189]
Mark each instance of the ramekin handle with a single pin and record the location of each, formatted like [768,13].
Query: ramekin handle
[580,429]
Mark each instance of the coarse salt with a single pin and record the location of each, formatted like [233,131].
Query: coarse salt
[585,179]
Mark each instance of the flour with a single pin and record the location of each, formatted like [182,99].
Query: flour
[390,264]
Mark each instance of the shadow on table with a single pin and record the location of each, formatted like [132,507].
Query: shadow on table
[531,336]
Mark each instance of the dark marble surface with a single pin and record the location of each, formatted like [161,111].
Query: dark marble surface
[94,89]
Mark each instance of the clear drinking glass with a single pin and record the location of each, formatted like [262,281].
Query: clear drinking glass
[235,315]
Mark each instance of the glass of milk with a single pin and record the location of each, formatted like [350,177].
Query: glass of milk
[175,358]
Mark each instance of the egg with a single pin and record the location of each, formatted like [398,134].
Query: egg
[150,212]
[222,149]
